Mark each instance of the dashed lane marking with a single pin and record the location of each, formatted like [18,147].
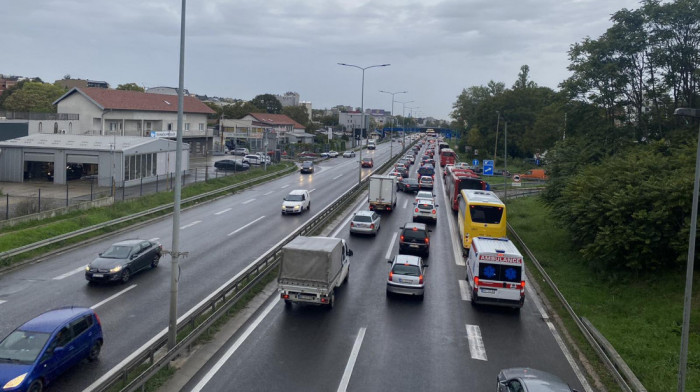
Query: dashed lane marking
[476,344]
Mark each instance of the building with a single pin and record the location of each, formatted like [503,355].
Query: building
[126,160]
[352,121]
[165,91]
[81,83]
[289,98]
[264,132]
[8,81]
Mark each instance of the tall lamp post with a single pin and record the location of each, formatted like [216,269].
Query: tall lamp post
[683,363]
[403,120]
[391,141]
[362,105]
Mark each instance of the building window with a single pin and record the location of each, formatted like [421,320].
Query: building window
[55,127]
[170,126]
[70,127]
[40,127]
[187,126]
[148,126]
[201,126]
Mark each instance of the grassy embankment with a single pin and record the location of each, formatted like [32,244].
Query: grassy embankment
[640,316]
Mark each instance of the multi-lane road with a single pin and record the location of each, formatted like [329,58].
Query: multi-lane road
[367,342]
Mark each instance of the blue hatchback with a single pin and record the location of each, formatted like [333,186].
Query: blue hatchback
[36,353]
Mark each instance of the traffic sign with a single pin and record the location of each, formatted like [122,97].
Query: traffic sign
[516,177]
[488,167]
[448,135]
[475,162]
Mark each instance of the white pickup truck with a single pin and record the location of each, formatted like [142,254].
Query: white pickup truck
[312,268]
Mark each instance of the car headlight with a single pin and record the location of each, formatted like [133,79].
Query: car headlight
[116,269]
[15,381]
[87,267]
[283,207]
[297,207]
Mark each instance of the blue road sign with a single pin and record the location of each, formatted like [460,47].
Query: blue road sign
[448,135]
[475,162]
[488,167]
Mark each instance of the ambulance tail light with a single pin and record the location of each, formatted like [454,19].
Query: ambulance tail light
[476,281]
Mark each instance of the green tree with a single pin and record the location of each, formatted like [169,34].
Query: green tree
[34,97]
[297,113]
[240,109]
[267,102]
[131,87]
[522,81]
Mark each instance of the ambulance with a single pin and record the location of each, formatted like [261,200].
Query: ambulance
[496,272]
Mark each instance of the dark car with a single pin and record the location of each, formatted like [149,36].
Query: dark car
[122,260]
[74,171]
[402,170]
[367,162]
[426,170]
[307,167]
[231,165]
[407,185]
[40,350]
[530,380]
[415,238]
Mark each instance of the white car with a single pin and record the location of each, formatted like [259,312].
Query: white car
[296,202]
[349,154]
[407,276]
[365,222]
[333,154]
[425,210]
[425,195]
[252,159]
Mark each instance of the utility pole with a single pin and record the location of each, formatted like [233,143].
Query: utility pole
[391,141]
[495,148]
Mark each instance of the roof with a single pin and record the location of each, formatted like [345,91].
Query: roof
[135,100]
[80,142]
[276,119]
[298,192]
[482,196]
[407,259]
[364,213]
[51,320]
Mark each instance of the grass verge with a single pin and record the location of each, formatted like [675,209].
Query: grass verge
[641,317]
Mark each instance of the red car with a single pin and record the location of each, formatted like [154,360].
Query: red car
[367,162]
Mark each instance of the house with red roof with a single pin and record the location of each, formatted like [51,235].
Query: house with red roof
[133,113]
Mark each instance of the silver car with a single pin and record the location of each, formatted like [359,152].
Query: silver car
[530,380]
[425,209]
[365,222]
[406,276]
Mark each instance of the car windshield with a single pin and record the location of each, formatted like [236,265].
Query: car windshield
[362,218]
[117,252]
[22,346]
[367,159]
[410,181]
[307,164]
[406,269]
[294,198]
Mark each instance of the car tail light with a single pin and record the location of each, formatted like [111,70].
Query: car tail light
[427,240]
[324,300]
[371,207]
[352,224]
[434,212]
[420,279]
[476,281]
[285,296]
[416,210]
[391,276]
[401,238]
[371,226]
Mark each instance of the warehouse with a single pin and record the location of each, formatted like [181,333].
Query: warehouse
[123,159]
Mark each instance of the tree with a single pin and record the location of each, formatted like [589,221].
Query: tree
[522,81]
[267,102]
[239,109]
[34,97]
[297,113]
[131,87]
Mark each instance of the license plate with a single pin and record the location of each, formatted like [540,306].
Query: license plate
[413,246]
[306,296]
[488,291]
[98,275]
[405,280]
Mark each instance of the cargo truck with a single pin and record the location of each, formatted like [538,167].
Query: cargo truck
[312,268]
[382,194]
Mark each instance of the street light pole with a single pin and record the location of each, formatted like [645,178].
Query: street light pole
[683,361]
[495,148]
[403,121]
[391,140]
[362,100]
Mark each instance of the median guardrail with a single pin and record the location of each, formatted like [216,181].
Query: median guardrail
[215,306]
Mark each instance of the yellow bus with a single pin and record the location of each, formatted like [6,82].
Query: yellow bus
[480,214]
[430,132]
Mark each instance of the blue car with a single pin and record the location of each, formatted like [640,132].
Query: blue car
[43,348]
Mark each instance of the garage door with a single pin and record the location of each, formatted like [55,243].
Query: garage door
[38,156]
[80,158]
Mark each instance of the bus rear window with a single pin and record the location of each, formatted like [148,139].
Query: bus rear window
[471,183]
[485,214]
[500,272]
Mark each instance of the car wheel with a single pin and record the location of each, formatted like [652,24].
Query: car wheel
[347,276]
[126,275]
[36,386]
[287,303]
[420,297]
[155,261]
[94,352]
[331,302]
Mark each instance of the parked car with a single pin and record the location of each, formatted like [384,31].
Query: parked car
[307,167]
[367,162]
[349,154]
[425,182]
[406,276]
[530,380]
[365,222]
[425,210]
[407,185]
[414,238]
[40,350]
[231,165]
[124,259]
[252,159]
[333,154]
[296,202]
[307,154]
[240,151]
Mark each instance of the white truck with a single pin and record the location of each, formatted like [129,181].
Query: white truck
[371,144]
[312,268]
[382,193]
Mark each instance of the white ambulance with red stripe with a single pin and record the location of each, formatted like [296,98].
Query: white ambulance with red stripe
[496,272]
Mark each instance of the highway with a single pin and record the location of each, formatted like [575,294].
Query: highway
[367,342]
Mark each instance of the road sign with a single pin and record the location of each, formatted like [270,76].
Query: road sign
[488,167]
[475,162]
[448,135]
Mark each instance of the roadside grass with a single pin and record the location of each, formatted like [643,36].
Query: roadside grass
[640,316]
[31,232]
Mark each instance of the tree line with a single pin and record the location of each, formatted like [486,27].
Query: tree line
[620,163]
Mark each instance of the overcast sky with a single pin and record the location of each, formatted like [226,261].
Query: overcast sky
[240,49]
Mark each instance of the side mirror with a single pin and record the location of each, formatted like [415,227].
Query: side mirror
[426,265]
[388,261]
[100,254]
[437,205]
[133,256]
[349,252]
[58,350]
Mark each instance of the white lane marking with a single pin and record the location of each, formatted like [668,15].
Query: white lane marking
[284,186]
[347,220]
[391,246]
[268,193]
[97,305]
[312,190]
[464,290]
[2,302]
[241,228]
[351,361]
[535,298]
[476,344]
[337,177]
[69,273]
[405,204]
[215,369]
[154,239]
[223,211]
[190,225]
[248,201]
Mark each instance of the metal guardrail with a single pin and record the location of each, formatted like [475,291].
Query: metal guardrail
[165,207]
[218,303]
[613,364]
